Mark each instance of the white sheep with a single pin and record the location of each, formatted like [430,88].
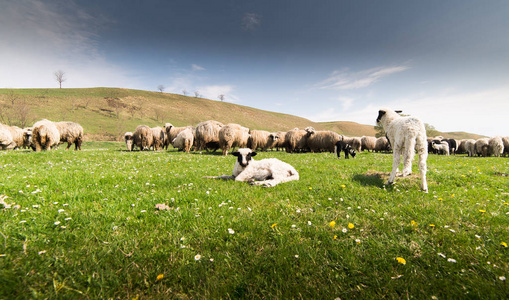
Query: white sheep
[233,135]
[171,133]
[6,140]
[481,147]
[128,138]
[266,172]
[405,134]
[495,146]
[469,146]
[184,140]
[442,147]
[505,140]
[45,135]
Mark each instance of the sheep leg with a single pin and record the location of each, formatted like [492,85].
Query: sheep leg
[408,156]
[423,156]
[395,164]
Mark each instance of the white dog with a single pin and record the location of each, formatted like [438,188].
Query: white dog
[266,172]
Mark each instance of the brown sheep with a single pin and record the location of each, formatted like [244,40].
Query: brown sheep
[296,140]
[368,143]
[232,135]
[143,137]
[382,144]
[158,138]
[207,135]
[318,141]
[280,140]
[70,133]
[481,147]
[261,139]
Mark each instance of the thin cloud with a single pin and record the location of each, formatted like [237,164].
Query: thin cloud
[251,21]
[342,80]
[197,67]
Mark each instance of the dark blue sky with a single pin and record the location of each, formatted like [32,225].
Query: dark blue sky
[324,60]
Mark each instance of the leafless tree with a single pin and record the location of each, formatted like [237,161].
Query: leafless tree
[196,94]
[161,88]
[60,77]
[184,92]
[221,97]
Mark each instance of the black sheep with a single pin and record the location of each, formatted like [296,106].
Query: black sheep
[343,146]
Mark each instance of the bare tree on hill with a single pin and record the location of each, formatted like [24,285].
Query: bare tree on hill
[60,77]
[161,88]
[221,97]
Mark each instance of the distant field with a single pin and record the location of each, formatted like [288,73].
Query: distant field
[87,227]
[107,113]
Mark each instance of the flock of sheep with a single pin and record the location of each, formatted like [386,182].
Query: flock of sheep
[494,146]
[44,135]
[213,135]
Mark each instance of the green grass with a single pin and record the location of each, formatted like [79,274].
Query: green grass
[87,227]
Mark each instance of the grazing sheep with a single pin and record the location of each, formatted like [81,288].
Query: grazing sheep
[382,144]
[207,135]
[158,137]
[481,147]
[45,135]
[70,133]
[469,145]
[345,147]
[318,141]
[453,146]
[441,148]
[233,135]
[143,137]
[495,146]
[279,138]
[171,133]
[6,140]
[354,142]
[296,140]
[406,134]
[461,147]
[368,143]
[184,140]
[27,138]
[261,139]
[128,137]
[266,172]
[505,140]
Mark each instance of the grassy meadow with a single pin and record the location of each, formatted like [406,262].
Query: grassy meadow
[84,225]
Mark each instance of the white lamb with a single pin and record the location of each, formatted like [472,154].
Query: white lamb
[406,134]
[266,172]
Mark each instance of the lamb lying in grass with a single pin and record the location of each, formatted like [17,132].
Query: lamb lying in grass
[266,172]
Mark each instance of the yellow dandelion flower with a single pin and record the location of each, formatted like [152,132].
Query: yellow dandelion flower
[431,225]
[273,225]
[335,237]
[503,244]
[310,188]
[452,196]
[343,186]
[351,226]
[159,277]
[440,199]
[482,211]
[332,223]
[506,203]
[413,223]
[401,260]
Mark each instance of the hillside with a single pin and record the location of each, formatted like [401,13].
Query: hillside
[107,113]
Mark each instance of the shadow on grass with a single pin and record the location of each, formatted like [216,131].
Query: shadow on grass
[370,179]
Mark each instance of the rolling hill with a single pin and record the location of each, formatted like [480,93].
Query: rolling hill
[107,113]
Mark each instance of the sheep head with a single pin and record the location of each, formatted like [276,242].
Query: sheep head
[384,112]
[244,156]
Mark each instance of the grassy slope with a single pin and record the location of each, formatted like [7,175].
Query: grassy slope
[90,108]
[87,228]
